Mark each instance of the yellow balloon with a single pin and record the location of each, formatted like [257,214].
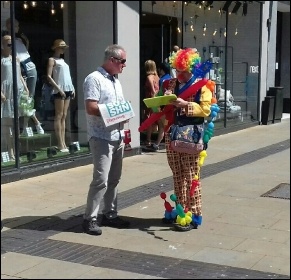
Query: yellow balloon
[188,220]
[189,213]
[203,153]
[178,219]
[183,222]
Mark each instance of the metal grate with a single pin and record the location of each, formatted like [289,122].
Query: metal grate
[281,191]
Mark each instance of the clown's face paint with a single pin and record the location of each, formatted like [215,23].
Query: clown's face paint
[183,76]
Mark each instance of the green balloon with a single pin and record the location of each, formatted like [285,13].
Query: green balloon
[173,197]
[180,211]
[205,138]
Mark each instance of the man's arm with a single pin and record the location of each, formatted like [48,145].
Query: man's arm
[92,108]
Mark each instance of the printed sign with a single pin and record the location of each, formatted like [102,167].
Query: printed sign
[113,113]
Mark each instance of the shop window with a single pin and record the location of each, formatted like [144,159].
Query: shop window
[38,143]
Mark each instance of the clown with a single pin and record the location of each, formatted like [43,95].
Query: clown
[191,110]
[194,104]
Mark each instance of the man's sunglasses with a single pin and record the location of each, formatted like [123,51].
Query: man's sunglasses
[120,59]
[9,45]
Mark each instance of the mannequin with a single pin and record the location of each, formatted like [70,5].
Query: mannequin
[28,70]
[58,75]
[7,105]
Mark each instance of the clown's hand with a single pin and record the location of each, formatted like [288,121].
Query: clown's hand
[168,92]
[180,103]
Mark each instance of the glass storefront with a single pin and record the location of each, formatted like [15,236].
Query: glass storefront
[227,33]
[229,38]
[42,24]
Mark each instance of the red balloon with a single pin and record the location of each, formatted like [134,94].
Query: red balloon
[168,206]
[163,195]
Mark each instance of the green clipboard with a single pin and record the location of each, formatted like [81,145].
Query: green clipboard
[159,100]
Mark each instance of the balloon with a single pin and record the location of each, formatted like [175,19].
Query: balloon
[173,197]
[203,155]
[174,214]
[168,206]
[206,138]
[197,219]
[194,185]
[213,100]
[180,210]
[189,213]
[213,114]
[183,222]
[168,215]
[188,220]
[163,195]
[210,132]
[210,125]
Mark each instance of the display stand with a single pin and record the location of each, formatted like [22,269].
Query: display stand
[30,140]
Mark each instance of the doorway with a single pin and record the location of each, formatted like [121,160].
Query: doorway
[157,36]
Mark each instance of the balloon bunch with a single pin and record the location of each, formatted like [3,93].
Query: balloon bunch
[170,212]
[184,217]
[208,133]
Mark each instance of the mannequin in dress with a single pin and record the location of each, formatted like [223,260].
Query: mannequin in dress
[58,75]
[28,69]
[7,105]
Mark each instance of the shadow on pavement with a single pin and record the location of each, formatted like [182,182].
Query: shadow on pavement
[54,224]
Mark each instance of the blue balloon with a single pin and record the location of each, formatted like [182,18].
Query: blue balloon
[214,107]
[168,215]
[197,219]
[210,125]
[213,114]
[174,214]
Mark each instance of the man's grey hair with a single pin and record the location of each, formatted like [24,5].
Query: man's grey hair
[113,51]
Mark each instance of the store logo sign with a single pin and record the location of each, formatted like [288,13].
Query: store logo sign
[254,69]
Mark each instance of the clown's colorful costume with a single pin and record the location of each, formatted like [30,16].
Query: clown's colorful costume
[186,167]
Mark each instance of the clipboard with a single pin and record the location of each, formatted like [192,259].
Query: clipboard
[159,100]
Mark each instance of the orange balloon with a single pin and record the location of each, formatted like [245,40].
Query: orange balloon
[210,85]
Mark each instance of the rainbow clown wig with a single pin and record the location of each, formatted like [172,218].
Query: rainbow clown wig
[185,60]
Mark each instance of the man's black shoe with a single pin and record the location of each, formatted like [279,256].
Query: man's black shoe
[91,227]
[115,222]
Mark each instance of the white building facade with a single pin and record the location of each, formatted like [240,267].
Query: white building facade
[247,53]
